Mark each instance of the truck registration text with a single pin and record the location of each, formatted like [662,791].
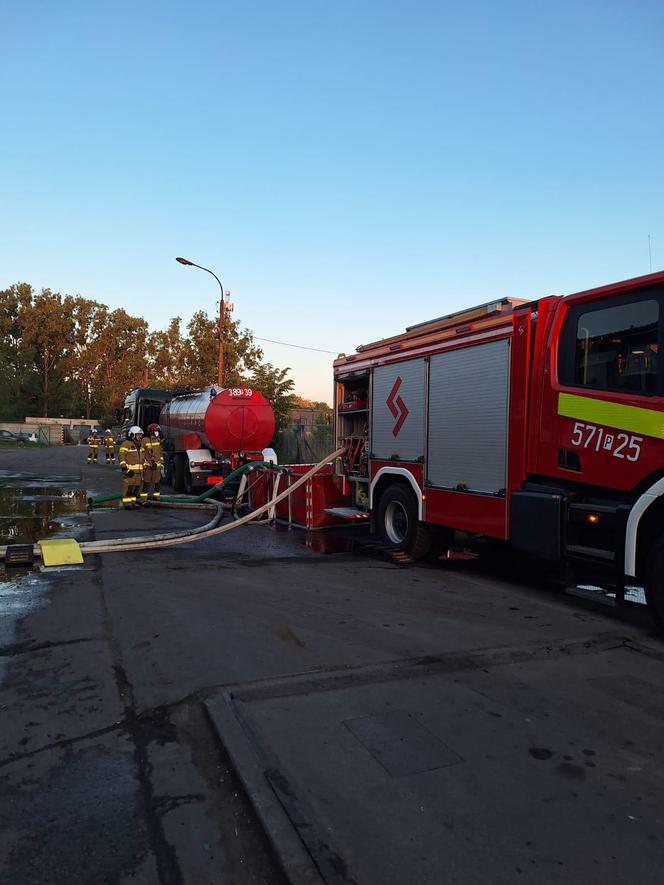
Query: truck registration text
[241,392]
[620,445]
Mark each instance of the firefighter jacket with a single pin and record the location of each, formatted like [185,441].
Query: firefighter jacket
[109,442]
[94,440]
[153,454]
[131,457]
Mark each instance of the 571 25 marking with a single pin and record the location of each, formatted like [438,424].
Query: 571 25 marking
[620,445]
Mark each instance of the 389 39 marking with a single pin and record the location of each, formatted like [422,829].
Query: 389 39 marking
[241,392]
[620,445]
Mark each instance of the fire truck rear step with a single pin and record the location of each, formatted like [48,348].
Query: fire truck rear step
[347,512]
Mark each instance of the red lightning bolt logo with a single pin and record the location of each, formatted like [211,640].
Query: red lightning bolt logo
[397,406]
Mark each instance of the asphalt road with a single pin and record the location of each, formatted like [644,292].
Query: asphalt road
[251,710]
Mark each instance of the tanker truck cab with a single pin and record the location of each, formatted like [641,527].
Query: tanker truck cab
[143,406]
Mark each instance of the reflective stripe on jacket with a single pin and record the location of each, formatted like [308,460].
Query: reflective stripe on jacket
[153,452]
[131,455]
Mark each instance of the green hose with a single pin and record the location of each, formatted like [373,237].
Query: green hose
[171,499]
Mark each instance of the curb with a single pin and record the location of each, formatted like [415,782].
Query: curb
[291,853]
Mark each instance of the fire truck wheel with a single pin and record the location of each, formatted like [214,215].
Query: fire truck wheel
[398,524]
[188,481]
[441,541]
[178,474]
[654,582]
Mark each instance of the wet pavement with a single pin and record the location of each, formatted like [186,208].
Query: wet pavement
[270,700]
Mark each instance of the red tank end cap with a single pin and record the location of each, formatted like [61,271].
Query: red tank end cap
[239,419]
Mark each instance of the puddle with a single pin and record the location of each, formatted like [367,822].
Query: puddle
[7,477]
[354,539]
[31,509]
[31,512]
[21,592]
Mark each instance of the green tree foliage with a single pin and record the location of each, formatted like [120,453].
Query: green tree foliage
[167,356]
[18,382]
[275,386]
[69,355]
[300,402]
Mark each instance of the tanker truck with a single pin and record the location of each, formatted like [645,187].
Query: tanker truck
[206,433]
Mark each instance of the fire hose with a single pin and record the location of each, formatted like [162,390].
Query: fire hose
[209,530]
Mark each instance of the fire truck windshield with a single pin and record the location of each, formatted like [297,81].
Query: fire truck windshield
[614,347]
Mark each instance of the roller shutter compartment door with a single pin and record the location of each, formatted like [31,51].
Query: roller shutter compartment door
[468,395]
[397,411]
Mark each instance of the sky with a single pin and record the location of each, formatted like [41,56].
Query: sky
[346,168]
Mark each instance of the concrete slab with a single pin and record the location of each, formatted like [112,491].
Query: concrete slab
[546,770]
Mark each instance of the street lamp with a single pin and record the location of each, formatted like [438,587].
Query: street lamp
[220,358]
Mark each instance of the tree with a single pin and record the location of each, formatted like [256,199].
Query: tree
[275,386]
[47,328]
[83,361]
[123,360]
[167,356]
[17,371]
[70,354]
[201,350]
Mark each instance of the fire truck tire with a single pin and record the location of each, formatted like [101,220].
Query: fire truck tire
[188,481]
[441,541]
[398,524]
[654,582]
[178,473]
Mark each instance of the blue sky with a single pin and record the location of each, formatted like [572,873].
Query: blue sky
[346,168]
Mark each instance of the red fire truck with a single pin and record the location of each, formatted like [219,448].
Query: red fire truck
[539,423]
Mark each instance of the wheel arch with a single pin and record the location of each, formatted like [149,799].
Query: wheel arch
[387,476]
[644,524]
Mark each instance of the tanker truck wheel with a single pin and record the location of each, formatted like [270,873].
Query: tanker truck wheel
[178,473]
[398,524]
[188,481]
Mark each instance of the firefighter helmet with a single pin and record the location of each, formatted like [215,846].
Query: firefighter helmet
[134,432]
[153,428]
[107,433]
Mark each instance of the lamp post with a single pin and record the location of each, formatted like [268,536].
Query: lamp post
[220,358]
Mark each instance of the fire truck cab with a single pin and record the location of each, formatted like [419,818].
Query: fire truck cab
[539,423]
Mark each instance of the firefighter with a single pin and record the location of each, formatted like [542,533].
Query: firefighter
[153,461]
[93,441]
[109,447]
[131,464]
